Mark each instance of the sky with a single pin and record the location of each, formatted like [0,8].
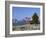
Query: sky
[22,12]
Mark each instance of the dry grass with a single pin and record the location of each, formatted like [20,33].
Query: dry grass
[26,27]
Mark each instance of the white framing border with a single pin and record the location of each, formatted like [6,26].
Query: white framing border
[23,32]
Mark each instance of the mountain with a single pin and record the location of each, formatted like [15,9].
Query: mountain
[21,22]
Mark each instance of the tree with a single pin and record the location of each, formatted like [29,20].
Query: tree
[35,18]
[14,21]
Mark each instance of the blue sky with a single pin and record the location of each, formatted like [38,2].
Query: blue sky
[21,12]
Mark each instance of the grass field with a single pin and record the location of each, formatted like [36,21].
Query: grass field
[26,27]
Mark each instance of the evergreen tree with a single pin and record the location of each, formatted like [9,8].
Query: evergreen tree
[35,18]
